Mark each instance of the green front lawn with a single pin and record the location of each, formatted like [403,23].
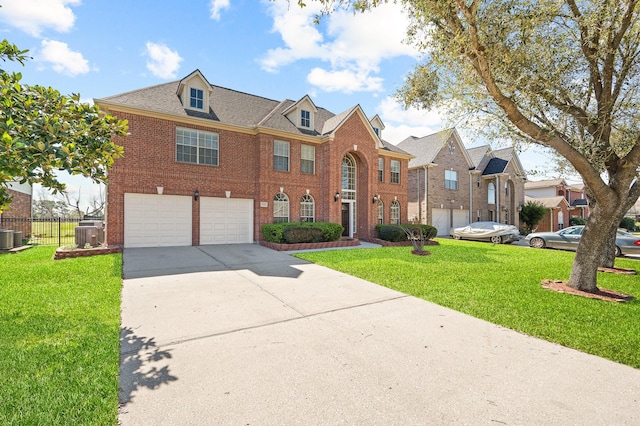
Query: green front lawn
[59,338]
[501,284]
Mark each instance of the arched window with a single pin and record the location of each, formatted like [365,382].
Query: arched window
[307,209]
[380,212]
[280,208]
[395,213]
[348,178]
[491,192]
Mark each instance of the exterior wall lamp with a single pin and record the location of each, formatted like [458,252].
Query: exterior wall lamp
[375,198]
[196,195]
[336,197]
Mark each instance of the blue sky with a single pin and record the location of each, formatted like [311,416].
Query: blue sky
[267,48]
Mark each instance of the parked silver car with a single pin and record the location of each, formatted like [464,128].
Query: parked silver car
[495,232]
[568,239]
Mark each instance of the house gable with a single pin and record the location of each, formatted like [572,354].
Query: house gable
[302,114]
[194,92]
[377,124]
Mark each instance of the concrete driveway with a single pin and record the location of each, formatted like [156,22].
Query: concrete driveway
[243,335]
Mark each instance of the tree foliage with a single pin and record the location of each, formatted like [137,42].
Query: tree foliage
[531,214]
[563,74]
[42,131]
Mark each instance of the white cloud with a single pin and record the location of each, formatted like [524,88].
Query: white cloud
[352,45]
[400,123]
[33,16]
[218,6]
[163,62]
[346,81]
[62,59]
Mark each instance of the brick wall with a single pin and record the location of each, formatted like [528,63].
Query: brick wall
[246,169]
[20,208]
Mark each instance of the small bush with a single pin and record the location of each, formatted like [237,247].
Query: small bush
[273,232]
[391,233]
[395,233]
[628,223]
[302,234]
[577,221]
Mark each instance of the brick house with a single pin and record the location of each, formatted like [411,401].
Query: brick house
[451,186]
[17,216]
[205,164]
[549,192]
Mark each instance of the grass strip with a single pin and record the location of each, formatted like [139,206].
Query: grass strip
[59,338]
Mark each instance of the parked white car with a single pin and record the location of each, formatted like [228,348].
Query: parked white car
[495,232]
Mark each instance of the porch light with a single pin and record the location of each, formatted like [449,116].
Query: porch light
[375,198]
[196,195]
[336,197]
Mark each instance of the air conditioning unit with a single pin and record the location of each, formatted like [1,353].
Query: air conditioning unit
[88,235]
[6,239]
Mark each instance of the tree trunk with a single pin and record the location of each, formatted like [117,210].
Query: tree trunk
[584,273]
[608,257]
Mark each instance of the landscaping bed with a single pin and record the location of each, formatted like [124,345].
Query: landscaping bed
[64,253]
[343,242]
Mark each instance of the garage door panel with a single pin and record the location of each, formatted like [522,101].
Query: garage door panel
[157,220]
[226,220]
[440,220]
[460,218]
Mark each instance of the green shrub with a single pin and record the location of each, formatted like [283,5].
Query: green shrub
[391,233]
[302,234]
[395,233]
[273,232]
[628,223]
[577,221]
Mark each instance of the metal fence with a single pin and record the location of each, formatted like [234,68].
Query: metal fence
[57,231]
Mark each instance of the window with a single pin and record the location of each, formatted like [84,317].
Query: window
[506,189]
[395,171]
[380,212]
[196,146]
[308,159]
[281,156]
[348,178]
[305,118]
[395,213]
[380,169]
[375,129]
[491,192]
[196,98]
[450,179]
[280,208]
[307,209]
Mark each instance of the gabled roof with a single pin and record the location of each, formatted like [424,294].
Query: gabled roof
[495,166]
[426,148]
[478,153]
[548,202]
[544,183]
[296,104]
[387,146]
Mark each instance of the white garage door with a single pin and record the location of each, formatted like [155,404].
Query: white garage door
[440,219]
[226,220]
[460,218]
[157,220]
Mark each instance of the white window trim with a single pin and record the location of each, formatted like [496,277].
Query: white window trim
[312,150]
[276,154]
[395,172]
[198,133]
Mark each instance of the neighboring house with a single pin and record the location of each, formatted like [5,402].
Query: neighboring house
[547,191]
[558,216]
[17,217]
[206,165]
[451,186]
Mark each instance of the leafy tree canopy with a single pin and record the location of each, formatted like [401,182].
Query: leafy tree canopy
[42,131]
[563,74]
[531,214]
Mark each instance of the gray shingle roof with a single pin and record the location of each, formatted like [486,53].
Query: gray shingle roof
[478,153]
[425,148]
[230,107]
[495,166]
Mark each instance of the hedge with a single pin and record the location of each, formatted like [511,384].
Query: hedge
[395,233]
[302,234]
[273,232]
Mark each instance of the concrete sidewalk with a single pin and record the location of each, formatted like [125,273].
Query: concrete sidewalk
[246,335]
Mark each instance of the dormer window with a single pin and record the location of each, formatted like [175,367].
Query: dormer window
[196,98]
[305,118]
[377,130]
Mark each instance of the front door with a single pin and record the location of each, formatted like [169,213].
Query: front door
[346,223]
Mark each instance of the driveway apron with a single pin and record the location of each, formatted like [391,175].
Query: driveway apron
[241,334]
